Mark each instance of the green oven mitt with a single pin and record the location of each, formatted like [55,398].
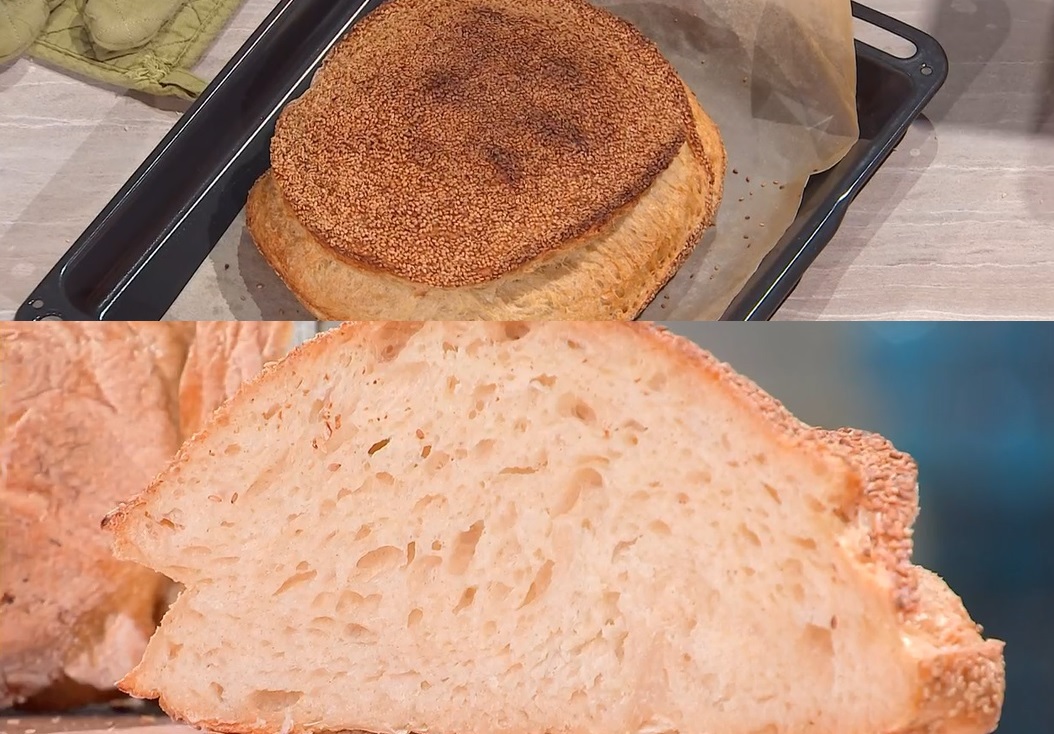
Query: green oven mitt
[21,21]
[145,45]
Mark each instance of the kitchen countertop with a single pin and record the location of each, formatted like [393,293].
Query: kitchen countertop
[958,224]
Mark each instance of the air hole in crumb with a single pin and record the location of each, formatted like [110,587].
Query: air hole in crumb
[294,580]
[587,478]
[363,532]
[620,644]
[621,547]
[273,701]
[544,380]
[465,548]
[359,633]
[700,477]
[576,407]
[414,617]
[518,470]
[773,493]
[814,504]
[541,582]
[425,451]
[484,391]
[233,449]
[411,552]
[516,330]
[499,590]
[350,600]
[659,527]
[682,498]
[427,500]
[749,534]
[569,499]
[467,598]
[378,559]
[806,543]
[217,690]
[378,446]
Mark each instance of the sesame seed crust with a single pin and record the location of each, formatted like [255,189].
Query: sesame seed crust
[449,142]
[961,676]
[611,274]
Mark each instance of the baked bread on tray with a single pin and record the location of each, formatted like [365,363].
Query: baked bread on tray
[487,159]
[535,528]
[88,414]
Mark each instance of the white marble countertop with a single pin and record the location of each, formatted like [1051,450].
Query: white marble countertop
[958,224]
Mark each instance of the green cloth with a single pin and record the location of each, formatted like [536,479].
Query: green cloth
[145,45]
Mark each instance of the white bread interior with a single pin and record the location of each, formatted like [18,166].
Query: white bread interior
[568,527]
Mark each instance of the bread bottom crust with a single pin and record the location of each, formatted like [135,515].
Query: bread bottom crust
[611,274]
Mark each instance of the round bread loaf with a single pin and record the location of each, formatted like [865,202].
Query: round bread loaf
[493,159]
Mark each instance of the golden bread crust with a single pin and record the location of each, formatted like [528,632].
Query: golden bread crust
[611,274]
[73,618]
[448,142]
[90,413]
[221,357]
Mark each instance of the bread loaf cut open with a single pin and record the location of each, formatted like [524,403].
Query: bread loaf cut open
[566,527]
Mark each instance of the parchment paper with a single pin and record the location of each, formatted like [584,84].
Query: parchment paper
[779,79]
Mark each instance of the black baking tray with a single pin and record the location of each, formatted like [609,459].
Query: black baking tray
[140,252]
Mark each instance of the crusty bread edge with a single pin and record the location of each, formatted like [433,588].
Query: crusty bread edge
[961,676]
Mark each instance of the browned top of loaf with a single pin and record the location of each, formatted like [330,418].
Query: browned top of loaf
[451,141]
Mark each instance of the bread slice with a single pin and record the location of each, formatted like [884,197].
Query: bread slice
[487,159]
[89,414]
[568,527]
